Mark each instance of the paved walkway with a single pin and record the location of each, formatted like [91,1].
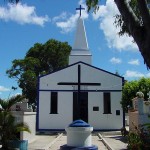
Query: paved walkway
[43,142]
[104,141]
[114,141]
[63,139]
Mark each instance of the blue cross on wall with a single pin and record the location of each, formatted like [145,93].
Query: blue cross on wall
[80,8]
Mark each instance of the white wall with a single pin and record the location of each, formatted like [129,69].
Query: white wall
[95,118]
[55,121]
[64,117]
[108,81]
[30,119]
[105,121]
[88,74]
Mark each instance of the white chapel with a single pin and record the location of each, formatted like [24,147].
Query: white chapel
[80,91]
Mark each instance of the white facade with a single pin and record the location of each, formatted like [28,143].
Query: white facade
[83,88]
[109,83]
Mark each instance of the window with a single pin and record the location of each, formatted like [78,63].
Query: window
[117,112]
[54,102]
[95,108]
[107,103]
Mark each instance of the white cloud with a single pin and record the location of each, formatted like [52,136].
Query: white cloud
[17,94]
[148,75]
[22,14]
[134,62]
[106,17]
[67,22]
[115,60]
[62,16]
[3,89]
[133,74]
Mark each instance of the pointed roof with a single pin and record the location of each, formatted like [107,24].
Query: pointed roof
[80,45]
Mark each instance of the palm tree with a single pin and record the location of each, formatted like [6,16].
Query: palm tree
[7,104]
[8,127]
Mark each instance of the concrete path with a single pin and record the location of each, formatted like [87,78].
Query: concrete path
[114,141]
[43,142]
[104,141]
[63,140]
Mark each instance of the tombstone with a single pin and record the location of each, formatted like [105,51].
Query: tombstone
[148,95]
[135,104]
[147,104]
[79,137]
[146,107]
[140,106]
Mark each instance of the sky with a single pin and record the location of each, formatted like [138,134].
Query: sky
[30,22]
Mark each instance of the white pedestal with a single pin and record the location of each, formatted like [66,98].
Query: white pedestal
[79,136]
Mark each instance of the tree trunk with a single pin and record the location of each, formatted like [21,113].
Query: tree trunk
[140,34]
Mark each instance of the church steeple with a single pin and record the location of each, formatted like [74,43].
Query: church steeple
[80,50]
[80,38]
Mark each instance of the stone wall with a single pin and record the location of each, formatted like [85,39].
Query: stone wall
[21,106]
[139,114]
[133,120]
[30,119]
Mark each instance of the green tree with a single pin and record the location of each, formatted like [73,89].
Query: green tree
[8,127]
[134,20]
[7,104]
[131,88]
[39,60]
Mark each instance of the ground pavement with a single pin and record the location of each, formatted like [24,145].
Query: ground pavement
[114,140]
[63,139]
[104,141]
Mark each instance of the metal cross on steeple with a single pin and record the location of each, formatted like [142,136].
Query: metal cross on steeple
[80,8]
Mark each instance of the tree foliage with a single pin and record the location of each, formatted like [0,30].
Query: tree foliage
[39,60]
[6,104]
[8,126]
[131,88]
[134,20]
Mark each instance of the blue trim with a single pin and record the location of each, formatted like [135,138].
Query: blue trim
[37,116]
[123,81]
[123,112]
[81,90]
[55,130]
[107,130]
[101,69]
[79,123]
[66,147]
[80,62]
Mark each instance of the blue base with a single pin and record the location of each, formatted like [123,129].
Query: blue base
[66,147]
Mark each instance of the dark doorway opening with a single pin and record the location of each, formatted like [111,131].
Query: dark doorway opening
[80,107]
